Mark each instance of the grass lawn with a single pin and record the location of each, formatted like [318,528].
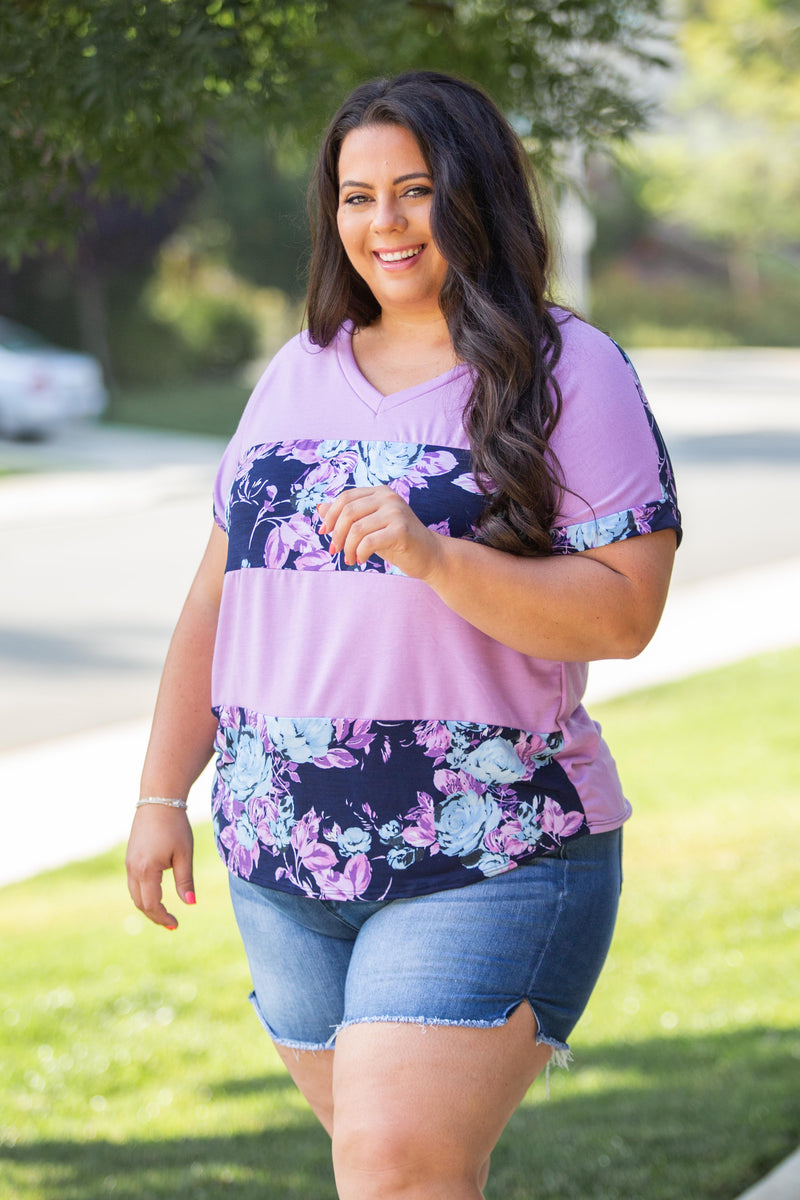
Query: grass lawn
[133,1067]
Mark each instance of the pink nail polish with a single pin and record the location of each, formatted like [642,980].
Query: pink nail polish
[190,898]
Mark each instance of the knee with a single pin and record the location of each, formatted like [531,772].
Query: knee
[379,1159]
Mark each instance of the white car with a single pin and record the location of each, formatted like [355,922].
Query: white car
[42,386]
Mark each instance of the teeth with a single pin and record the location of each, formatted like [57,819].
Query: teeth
[396,255]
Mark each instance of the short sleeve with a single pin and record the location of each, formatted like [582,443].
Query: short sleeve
[234,459]
[618,477]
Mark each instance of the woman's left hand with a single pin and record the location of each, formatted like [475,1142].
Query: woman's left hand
[365,521]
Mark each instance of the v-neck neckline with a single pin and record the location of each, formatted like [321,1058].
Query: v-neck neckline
[374,399]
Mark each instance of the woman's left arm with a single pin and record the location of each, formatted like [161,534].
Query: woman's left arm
[602,603]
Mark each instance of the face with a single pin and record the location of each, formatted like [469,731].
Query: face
[385,198]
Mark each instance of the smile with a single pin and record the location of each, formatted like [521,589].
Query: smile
[398,255]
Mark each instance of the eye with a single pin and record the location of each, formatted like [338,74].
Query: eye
[355,199]
[418,191]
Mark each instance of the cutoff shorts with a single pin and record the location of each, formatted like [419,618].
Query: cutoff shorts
[466,956]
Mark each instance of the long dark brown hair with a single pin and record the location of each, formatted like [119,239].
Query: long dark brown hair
[486,225]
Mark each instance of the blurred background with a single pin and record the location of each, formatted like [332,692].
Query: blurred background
[153,245]
[154,162]
[153,199]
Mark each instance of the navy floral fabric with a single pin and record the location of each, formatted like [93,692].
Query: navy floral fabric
[307,804]
[271,515]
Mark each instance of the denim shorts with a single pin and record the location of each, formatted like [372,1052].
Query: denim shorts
[466,956]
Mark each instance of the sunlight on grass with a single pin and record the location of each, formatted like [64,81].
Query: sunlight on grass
[133,1066]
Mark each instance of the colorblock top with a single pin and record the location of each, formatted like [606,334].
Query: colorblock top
[372,743]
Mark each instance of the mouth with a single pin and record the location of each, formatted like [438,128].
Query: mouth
[402,255]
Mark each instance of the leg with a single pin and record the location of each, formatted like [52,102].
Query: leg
[312,1072]
[419,1109]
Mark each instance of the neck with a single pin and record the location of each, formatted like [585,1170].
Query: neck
[422,329]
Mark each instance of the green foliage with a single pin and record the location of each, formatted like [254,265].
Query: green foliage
[129,95]
[194,406]
[728,163]
[692,310]
[133,1067]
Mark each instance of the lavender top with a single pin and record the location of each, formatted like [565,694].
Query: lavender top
[371,742]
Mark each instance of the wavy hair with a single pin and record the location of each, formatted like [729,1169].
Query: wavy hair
[486,225]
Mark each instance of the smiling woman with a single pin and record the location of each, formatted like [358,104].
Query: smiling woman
[384,221]
[442,501]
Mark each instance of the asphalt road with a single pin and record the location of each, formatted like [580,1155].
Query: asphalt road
[99,545]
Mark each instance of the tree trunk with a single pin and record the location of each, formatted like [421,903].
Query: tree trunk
[92,306]
[744,276]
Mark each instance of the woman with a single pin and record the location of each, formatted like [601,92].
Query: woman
[441,503]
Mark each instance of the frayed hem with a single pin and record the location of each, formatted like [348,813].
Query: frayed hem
[305,1047]
[423,1022]
[561,1054]
[288,1043]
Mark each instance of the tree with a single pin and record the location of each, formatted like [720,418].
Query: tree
[127,96]
[727,165]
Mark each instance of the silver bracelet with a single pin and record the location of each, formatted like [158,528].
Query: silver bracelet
[161,800]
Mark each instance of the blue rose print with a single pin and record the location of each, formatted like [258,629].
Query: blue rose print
[300,740]
[495,759]
[250,772]
[354,841]
[400,858]
[483,797]
[383,462]
[463,820]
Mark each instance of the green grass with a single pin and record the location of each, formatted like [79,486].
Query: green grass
[133,1067]
[209,407]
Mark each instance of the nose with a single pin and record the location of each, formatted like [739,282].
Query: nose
[387,214]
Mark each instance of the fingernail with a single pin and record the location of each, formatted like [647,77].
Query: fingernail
[190,898]
[170,928]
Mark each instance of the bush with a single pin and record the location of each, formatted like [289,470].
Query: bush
[693,310]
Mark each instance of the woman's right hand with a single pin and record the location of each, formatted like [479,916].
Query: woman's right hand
[160,840]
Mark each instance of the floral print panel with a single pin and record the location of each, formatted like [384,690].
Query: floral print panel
[307,805]
[271,515]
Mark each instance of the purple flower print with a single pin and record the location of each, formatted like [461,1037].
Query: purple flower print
[349,884]
[242,846]
[295,534]
[481,814]
[558,823]
[423,831]
[309,851]
[434,736]
[273,821]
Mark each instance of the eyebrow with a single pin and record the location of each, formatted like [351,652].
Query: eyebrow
[400,179]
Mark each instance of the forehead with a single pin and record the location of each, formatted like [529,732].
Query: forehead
[378,150]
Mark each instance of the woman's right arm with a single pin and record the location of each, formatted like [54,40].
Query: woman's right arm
[181,743]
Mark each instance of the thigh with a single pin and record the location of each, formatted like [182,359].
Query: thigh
[424,1107]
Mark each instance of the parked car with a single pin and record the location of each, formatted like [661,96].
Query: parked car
[42,386]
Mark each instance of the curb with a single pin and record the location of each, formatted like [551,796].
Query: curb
[783,1183]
